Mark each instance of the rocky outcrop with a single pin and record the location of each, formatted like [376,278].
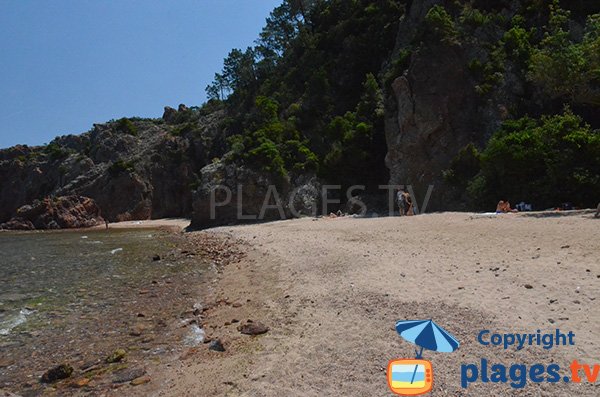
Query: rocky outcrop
[432,120]
[132,168]
[231,194]
[140,169]
[433,110]
[65,212]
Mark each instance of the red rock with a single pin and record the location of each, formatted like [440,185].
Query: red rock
[253,328]
[140,381]
[64,212]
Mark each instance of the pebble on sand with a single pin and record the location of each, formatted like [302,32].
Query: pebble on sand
[57,373]
[253,328]
[216,345]
[127,375]
[82,382]
[140,381]
[117,356]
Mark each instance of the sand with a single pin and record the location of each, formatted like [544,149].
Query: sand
[331,290]
[176,224]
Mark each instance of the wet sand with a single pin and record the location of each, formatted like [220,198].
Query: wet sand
[330,290]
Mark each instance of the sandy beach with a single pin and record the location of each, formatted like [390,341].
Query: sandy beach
[174,224]
[331,290]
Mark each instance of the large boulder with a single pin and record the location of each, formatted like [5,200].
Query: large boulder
[64,212]
[169,114]
[230,194]
[123,195]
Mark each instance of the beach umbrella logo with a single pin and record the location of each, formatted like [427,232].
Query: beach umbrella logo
[411,377]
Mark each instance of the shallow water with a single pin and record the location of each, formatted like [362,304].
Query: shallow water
[76,296]
[51,271]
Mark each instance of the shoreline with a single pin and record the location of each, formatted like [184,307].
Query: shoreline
[150,316]
[182,224]
[170,224]
[331,289]
[175,224]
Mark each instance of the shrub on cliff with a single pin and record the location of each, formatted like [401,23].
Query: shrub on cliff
[356,152]
[55,151]
[439,23]
[545,161]
[121,166]
[271,145]
[565,67]
[125,126]
[311,59]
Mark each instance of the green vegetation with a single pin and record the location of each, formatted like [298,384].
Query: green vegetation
[55,151]
[287,96]
[272,145]
[550,158]
[186,128]
[121,166]
[356,148]
[439,23]
[126,126]
[310,95]
[399,64]
[544,161]
[566,68]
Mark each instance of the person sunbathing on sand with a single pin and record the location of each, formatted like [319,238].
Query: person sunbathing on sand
[504,207]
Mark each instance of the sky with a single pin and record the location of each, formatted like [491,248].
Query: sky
[67,64]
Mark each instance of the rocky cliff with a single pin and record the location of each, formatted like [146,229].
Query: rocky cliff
[141,169]
[64,212]
[233,194]
[461,69]
[433,108]
[423,83]
[132,168]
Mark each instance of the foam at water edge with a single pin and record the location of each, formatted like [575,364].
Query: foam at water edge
[195,336]
[15,321]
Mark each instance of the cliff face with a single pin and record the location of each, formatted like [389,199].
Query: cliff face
[231,194]
[319,102]
[433,109]
[141,169]
[133,169]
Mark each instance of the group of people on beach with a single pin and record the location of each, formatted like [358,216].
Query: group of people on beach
[504,207]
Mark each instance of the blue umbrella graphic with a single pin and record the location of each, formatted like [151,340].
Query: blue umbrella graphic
[427,335]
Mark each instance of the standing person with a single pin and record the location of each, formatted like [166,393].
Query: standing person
[597,211]
[106,223]
[409,204]
[401,202]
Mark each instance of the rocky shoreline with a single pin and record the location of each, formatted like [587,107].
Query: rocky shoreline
[65,212]
[279,307]
[329,291]
[114,345]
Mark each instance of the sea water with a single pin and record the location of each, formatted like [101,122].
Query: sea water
[44,274]
[42,271]
[73,296]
